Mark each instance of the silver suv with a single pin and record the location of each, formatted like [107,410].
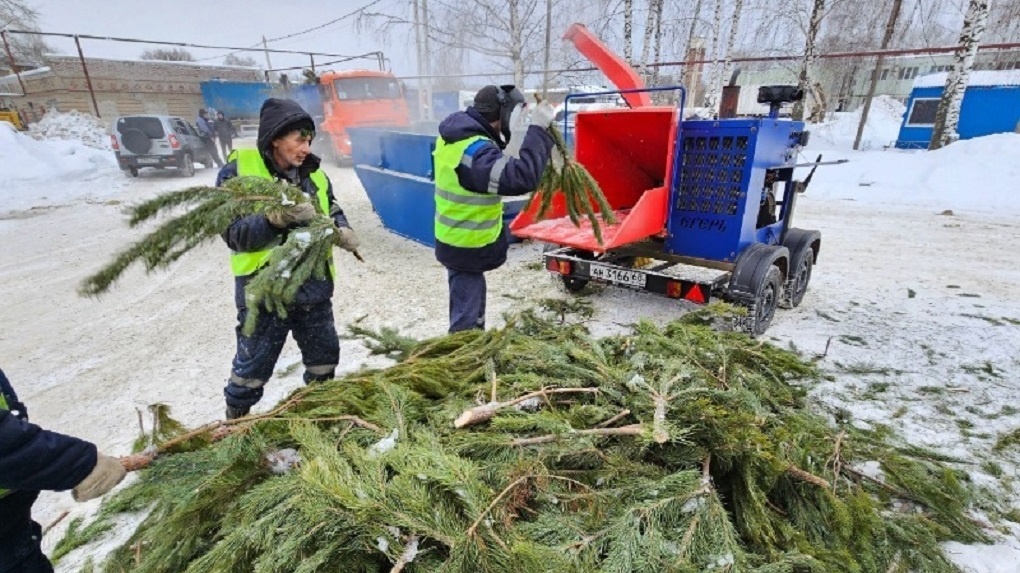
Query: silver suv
[158,141]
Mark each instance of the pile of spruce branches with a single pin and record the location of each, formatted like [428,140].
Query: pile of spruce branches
[538,448]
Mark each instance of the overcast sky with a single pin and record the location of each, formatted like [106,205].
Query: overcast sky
[218,22]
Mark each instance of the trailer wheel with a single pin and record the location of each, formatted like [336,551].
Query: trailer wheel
[766,300]
[797,283]
[574,285]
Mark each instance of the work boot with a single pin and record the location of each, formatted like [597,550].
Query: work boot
[235,413]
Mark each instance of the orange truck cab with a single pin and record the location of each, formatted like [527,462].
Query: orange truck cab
[360,98]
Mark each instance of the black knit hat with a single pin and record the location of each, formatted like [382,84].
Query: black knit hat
[487,103]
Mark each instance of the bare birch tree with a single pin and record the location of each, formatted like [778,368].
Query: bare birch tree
[947,118]
[727,68]
[628,31]
[890,29]
[27,49]
[712,97]
[646,42]
[817,13]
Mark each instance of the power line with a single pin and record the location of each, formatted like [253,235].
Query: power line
[183,44]
[330,23]
[312,29]
[834,55]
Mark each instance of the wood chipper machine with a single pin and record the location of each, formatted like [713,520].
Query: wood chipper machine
[704,208]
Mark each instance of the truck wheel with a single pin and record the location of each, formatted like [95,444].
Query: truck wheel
[133,171]
[766,300]
[797,283]
[188,165]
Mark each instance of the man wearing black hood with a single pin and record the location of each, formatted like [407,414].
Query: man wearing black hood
[285,133]
[472,176]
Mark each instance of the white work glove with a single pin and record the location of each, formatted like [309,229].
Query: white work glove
[104,477]
[347,240]
[543,115]
[295,214]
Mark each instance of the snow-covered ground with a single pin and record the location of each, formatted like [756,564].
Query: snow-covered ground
[915,310]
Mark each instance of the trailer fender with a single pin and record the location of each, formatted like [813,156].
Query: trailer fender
[798,239]
[751,268]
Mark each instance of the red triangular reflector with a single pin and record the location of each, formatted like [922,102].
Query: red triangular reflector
[695,295]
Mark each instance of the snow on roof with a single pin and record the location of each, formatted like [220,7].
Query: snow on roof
[27,74]
[143,61]
[984,78]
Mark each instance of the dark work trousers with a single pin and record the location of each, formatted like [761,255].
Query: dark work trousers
[20,550]
[467,300]
[226,145]
[315,334]
[210,144]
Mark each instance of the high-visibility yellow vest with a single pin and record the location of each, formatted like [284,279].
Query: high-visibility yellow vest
[251,164]
[464,218]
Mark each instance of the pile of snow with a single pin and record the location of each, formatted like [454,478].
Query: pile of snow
[977,175]
[882,129]
[51,171]
[72,126]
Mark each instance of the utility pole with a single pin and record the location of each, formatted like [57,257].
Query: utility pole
[269,64]
[418,58]
[427,58]
[890,28]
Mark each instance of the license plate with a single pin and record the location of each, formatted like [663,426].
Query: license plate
[617,276]
[147,160]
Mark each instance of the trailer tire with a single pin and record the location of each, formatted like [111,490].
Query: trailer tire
[797,283]
[574,285]
[766,300]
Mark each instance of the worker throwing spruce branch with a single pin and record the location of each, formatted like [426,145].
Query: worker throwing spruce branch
[472,175]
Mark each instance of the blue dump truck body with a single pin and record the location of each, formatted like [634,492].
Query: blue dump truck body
[242,100]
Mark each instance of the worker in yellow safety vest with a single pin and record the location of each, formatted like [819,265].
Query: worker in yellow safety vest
[283,153]
[32,460]
[473,173]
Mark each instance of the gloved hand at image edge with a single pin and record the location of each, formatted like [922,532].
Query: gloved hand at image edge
[347,239]
[543,115]
[105,476]
[292,215]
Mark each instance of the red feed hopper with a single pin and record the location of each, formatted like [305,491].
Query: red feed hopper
[629,152]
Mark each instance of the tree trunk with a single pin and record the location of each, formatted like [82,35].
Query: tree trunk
[712,97]
[516,43]
[658,40]
[646,44]
[948,116]
[548,48]
[817,12]
[693,78]
[890,29]
[727,69]
[628,31]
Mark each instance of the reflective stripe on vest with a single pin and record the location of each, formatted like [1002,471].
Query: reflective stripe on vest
[251,164]
[463,218]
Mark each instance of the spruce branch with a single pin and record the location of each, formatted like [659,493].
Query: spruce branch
[212,210]
[631,430]
[485,412]
[579,189]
